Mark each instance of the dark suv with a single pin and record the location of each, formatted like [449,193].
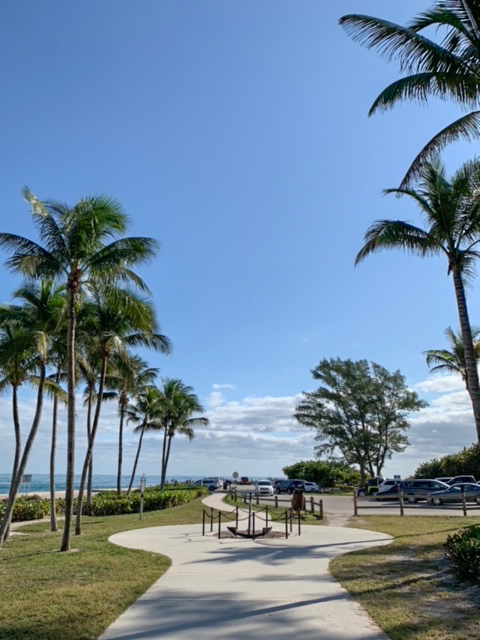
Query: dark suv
[414,490]
[288,486]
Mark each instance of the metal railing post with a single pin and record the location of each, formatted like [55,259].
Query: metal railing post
[286,524]
[219,524]
[320,504]
[236,517]
[276,501]
[203,523]
[464,503]
[211,519]
[253,530]
[266,516]
[299,525]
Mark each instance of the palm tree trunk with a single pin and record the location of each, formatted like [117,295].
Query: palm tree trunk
[164,455]
[69,489]
[18,444]
[91,442]
[53,446]
[167,456]
[90,466]
[7,517]
[470,360]
[137,457]
[120,448]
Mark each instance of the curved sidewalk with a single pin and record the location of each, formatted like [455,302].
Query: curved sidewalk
[239,589]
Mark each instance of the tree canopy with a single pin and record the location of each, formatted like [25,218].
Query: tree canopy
[360,410]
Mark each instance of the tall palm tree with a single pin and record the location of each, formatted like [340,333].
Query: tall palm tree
[79,247]
[451,209]
[179,405]
[448,68]
[38,319]
[453,361]
[144,412]
[130,375]
[123,319]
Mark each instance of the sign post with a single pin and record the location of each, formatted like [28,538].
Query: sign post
[143,482]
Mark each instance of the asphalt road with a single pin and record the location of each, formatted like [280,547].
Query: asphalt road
[342,506]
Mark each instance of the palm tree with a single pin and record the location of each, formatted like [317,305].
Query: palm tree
[145,412]
[78,248]
[453,361]
[38,319]
[449,69]
[123,319]
[452,212]
[130,375]
[179,406]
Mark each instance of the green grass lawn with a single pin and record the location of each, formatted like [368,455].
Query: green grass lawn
[407,587]
[47,595]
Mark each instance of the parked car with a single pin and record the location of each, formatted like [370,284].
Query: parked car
[387,485]
[244,480]
[263,488]
[454,494]
[311,487]
[414,490]
[446,479]
[391,492]
[370,488]
[210,483]
[288,486]
[461,479]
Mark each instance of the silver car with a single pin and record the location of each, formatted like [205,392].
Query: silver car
[414,490]
[454,494]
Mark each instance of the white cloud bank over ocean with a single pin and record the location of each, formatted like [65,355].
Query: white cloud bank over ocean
[253,435]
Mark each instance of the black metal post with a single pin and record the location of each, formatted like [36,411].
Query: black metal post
[266,516]
[211,520]
[299,526]
[286,524]
[320,504]
[236,517]
[253,531]
[203,523]
[219,524]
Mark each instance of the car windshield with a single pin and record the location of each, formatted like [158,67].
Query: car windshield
[263,484]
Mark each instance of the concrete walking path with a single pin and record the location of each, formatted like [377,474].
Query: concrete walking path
[238,589]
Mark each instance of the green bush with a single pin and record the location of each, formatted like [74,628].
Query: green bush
[27,508]
[463,552]
[106,503]
[466,462]
[326,473]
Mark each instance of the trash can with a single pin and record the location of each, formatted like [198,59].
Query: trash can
[298,500]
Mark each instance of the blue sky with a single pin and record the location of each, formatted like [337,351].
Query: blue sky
[236,133]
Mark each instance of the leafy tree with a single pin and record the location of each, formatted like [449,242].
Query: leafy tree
[179,405]
[326,473]
[452,211]
[130,375]
[122,319]
[80,246]
[448,68]
[145,412]
[453,361]
[37,320]
[360,409]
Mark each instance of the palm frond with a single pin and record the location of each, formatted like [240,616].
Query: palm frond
[466,127]
[414,52]
[388,234]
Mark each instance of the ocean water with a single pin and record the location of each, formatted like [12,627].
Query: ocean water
[41,482]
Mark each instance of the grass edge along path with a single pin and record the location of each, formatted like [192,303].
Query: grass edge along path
[47,595]
[407,587]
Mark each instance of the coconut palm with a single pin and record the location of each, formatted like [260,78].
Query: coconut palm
[451,209]
[129,376]
[453,361]
[123,319]
[79,247]
[449,68]
[38,319]
[179,405]
[144,412]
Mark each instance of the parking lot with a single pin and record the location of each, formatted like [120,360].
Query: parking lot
[343,505]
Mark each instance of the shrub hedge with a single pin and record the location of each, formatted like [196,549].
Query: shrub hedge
[463,552]
[105,503]
[466,462]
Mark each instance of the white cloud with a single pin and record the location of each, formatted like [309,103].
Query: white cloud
[439,384]
[216,386]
